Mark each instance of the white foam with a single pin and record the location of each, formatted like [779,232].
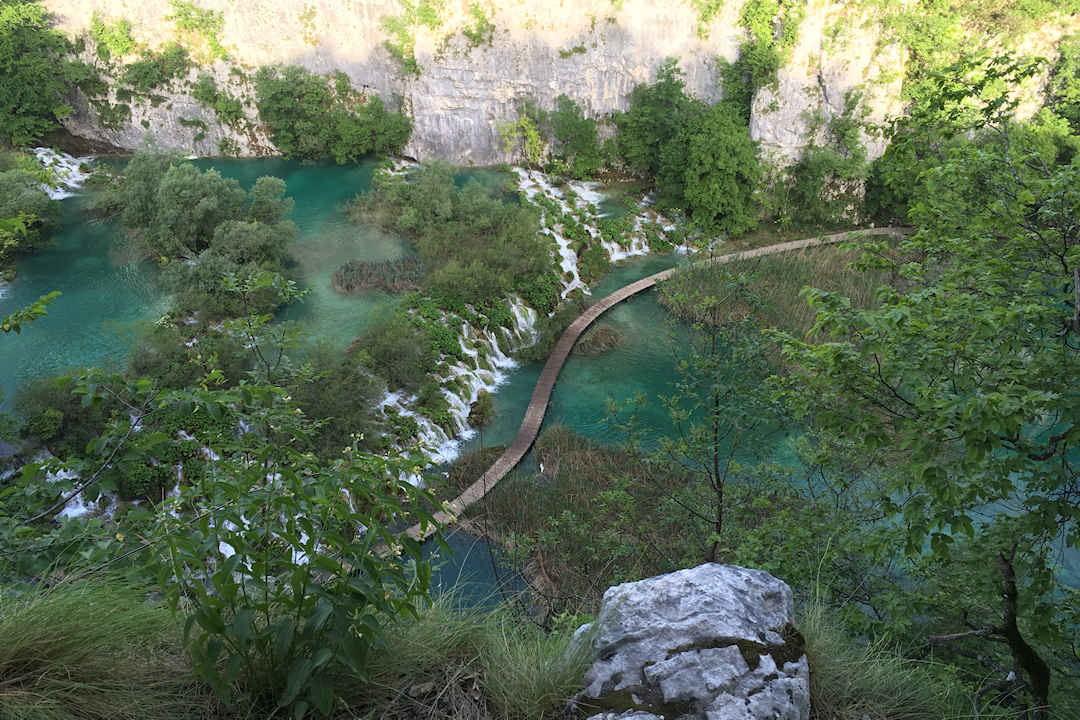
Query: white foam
[66,169]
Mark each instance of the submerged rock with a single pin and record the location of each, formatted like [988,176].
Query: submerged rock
[715,642]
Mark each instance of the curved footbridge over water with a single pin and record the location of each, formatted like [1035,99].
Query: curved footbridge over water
[534,414]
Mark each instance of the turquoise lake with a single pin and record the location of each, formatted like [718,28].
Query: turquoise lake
[107,301]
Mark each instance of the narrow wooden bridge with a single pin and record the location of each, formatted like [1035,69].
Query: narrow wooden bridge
[534,415]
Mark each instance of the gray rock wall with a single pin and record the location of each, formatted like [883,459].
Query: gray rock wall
[595,51]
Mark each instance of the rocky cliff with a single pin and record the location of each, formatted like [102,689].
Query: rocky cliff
[595,51]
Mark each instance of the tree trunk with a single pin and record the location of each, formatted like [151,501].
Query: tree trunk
[1024,655]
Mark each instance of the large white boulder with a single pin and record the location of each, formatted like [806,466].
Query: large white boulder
[715,642]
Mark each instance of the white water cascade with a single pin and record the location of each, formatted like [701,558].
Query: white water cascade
[483,369]
[68,171]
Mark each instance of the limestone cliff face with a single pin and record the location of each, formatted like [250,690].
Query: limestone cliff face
[595,51]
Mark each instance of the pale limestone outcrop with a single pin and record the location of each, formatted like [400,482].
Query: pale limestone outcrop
[595,51]
[715,642]
[592,50]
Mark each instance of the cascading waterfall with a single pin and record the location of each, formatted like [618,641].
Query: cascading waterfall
[68,177]
[483,369]
[68,171]
[585,199]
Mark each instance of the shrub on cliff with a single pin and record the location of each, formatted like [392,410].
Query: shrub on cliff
[311,117]
[701,159]
[34,76]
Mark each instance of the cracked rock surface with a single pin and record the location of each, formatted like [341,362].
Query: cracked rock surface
[715,642]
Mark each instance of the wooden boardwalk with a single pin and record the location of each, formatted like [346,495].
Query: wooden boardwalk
[534,415]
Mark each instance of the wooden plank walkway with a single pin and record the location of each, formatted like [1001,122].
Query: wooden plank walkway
[534,415]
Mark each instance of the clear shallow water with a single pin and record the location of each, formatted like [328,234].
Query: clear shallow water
[105,303]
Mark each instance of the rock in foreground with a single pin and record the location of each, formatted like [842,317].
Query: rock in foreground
[715,642]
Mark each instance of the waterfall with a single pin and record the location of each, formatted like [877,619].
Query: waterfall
[67,171]
[581,200]
[481,370]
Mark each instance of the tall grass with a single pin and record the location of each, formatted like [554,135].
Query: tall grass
[93,649]
[776,283]
[460,662]
[849,681]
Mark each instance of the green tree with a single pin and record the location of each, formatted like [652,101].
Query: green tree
[27,213]
[1064,88]
[576,135]
[722,172]
[721,409]
[309,118]
[658,117]
[966,381]
[33,73]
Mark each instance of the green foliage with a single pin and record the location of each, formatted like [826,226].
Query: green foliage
[154,69]
[478,247]
[523,136]
[27,213]
[702,159]
[343,392]
[960,383]
[827,182]
[34,74]
[481,29]
[576,138]
[309,118]
[178,212]
[203,23]
[47,425]
[297,593]
[764,51]
[229,109]
[956,101]
[1064,89]
[721,173]
[706,11]
[25,316]
[402,29]
[112,39]
[649,132]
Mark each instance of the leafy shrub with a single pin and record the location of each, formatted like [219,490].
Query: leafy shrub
[27,213]
[402,29]
[203,22]
[229,109]
[1064,86]
[478,247]
[577,140]
[298,593]
[46,425]
[36,72]
[178,211]
[111,39]
[480,30]
[153,69]
[311,119]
